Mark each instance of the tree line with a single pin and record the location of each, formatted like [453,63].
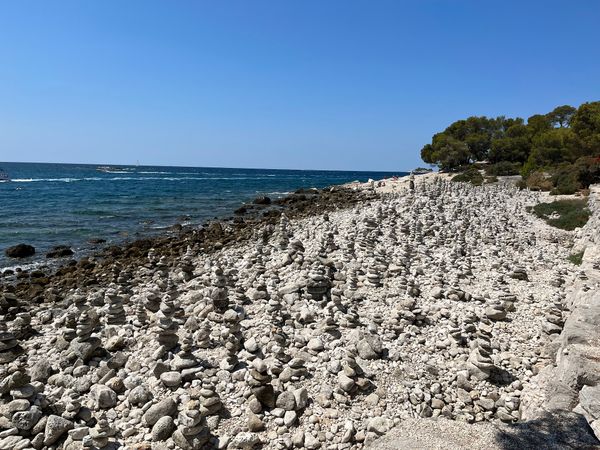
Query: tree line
[558,151]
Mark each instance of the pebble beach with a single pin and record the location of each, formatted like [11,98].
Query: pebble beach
[331,320]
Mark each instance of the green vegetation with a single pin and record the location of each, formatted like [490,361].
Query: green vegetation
[471,175]
[576,258]
[563,214]
[559,151]
[503,168]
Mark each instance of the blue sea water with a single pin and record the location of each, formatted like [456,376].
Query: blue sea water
[45,205]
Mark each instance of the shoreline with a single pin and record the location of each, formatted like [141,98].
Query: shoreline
[355,313]
[214,233]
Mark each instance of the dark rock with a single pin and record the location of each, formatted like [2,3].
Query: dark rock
[262,200]
[60,251]
[265,395]
[20,251]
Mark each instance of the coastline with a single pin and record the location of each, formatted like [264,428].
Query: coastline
[396,305]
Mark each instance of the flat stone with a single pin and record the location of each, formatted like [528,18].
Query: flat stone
[171,379]
[166,407]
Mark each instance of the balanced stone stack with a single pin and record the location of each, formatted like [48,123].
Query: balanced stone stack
[218,293]
[69,322]
[186,265]
[281,235]
[101,434]
[259,381]
[210,404]
[318,283]
[554,320]
[480,363]
[352,377]
[115,314]
[185,358]
[192,433]
[9,346]
[233,340]
[296,252]
[152,257]
[373,275]
[151,301]
[141,316]
[167,328]
[496,311]
[351,279]
[202,336]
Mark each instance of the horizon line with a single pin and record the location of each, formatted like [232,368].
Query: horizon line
[202,167]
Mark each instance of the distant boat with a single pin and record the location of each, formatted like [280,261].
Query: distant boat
[4,176]
[111,169]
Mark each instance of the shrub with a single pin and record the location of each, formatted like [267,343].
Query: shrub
[576,258]
[471,175]
[565,180]
[539,181]
[503,168]
[521,184]
[563,214]
[588,168]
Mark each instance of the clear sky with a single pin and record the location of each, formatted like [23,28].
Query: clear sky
[359,85]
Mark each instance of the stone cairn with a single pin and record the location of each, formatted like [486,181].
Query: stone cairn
[185,358]
[115,314]
[192,433]
[259,381]
[69,324]
[210,403]
[141,315]
[480,363]
[101,434]
[9,346]
[351,378]
[281,235]
[167,328]
[373,275]
[218,292]
[151,301]
[318,283]
[233,340]
[554,319]
[202,336]
[296,252]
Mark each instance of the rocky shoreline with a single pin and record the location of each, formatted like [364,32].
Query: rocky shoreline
[321,325]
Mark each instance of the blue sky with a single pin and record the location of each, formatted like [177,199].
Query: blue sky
[358,85]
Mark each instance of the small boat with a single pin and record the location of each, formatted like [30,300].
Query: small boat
[111,169]
[3,176]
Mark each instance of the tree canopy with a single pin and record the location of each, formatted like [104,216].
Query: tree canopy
[544,142]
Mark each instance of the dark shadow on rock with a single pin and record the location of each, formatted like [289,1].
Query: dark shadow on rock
[555,431]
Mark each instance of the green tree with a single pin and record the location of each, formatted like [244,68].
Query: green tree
[452,153]
[538,123]
[551,148]
[446,151]
[514,146]
[586,125]
[561,116]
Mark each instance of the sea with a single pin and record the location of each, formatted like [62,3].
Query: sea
[47,205]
